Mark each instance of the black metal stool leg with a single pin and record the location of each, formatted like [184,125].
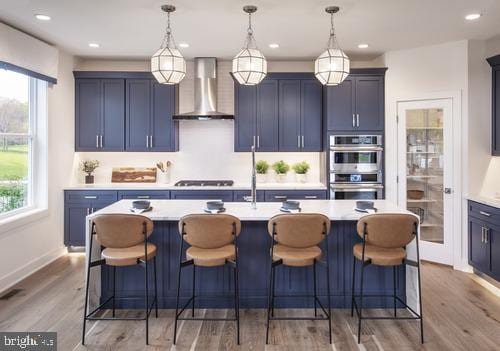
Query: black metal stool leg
[156,287]
[361,303]
[315,290]
[177,303]
[420,301]
[146,295]
[329,297]
[86,302]
[270,300]
[193,289]
[394,288]
[237,303]
[114,289]
[353,284]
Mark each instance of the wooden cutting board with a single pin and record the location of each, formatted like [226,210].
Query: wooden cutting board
[133,175]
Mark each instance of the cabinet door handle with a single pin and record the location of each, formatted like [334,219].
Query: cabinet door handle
[357,120]
[482,234]
[100,141]
[302,141]
[150,141]
[353,120]
[88,211]
[258,141]
[280,197]
[254,141]
[298,141]
[90,197]
[97,140]
[486,234]
[143,197]
[310,197]
[485,213]
[147,141]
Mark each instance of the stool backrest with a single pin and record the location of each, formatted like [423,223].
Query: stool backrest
[122,230]
[389,230]
[209,231]
[299,230]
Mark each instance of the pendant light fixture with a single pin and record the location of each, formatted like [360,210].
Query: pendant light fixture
[167,64]
[249,65]
[333,65]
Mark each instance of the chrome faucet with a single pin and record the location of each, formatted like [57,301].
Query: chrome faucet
[253,192]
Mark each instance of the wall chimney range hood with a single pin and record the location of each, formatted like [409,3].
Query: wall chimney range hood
[205,92]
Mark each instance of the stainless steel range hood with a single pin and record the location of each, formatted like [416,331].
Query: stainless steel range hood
[205,92]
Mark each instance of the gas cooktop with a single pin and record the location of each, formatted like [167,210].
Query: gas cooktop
[204,183]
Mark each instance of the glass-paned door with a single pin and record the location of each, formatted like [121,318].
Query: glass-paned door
[425,172]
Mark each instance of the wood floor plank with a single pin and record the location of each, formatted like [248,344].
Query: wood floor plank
[459,314]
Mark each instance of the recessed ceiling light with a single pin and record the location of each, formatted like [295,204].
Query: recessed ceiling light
[274,46]
[42,17]
[363,46]
[473,16]
[94,45]
[184,45]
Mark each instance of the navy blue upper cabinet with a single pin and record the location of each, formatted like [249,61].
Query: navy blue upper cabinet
[289,115]
[311,115]
[495,104]
[256,116]
[357,104]
[99,114]
[150,107]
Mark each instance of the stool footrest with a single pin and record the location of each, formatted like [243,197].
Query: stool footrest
[415,314]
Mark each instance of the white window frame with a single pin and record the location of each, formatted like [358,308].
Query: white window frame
[37,160]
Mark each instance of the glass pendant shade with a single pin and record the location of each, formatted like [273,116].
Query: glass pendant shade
[333,65]
[249,65]
[168,65]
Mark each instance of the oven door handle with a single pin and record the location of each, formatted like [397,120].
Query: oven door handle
[356,148]
[358,187]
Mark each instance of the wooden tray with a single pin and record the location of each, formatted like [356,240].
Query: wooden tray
[133,175]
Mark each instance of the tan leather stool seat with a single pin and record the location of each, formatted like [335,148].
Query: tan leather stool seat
[127,256]
[211,257]
[297,257]
[379,255]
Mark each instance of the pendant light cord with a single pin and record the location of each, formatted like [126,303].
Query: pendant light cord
[168,39]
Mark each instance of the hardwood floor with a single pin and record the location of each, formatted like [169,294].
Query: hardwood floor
[459,315]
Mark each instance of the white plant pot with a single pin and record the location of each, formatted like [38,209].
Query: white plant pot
[280,178]
[301,178]
[163,177]
[261,177]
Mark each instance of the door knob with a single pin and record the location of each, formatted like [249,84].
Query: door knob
[447,190]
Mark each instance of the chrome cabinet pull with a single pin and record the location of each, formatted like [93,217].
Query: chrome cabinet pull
[310,197]
[258,141]
[147,141]
[100,140]
[88,211]
[482,234]
[150,141]
[357,120]
[90,197]
[486,234]
[353,120]
[298,141]
[280,196]
[485,213]
[97,140]
[143,196]
[254,141]
[302,141]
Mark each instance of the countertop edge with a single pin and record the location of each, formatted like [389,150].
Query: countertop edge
[159,187]
[484,200]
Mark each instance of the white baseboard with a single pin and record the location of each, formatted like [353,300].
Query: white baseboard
[9,280]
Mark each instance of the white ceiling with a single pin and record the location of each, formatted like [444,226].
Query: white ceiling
[134,28]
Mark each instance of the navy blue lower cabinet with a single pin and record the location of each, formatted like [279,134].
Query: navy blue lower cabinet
[224,195]
[254,243]
[240,195]
[143,194]
[77,205]
[282,195]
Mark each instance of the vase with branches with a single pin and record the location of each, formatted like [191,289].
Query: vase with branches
[89,167]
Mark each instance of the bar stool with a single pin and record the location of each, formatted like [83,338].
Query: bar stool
[385,237]
[125,242]
[213,240]
[295,239]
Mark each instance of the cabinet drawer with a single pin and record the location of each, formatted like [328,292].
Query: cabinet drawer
[282,195]
[239,195]
[224,195]
[484,212]
[90,195]
[144,194]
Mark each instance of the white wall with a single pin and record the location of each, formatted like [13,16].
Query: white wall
[27,248]
[206,147]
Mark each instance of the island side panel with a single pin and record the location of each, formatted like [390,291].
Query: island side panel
[254,244]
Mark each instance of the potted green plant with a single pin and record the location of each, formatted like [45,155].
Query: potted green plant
[89,167]
[261,168]
[281,168]
[301,169]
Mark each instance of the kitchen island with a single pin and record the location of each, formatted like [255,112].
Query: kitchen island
[254,261]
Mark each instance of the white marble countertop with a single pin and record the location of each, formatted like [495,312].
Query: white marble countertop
[171,186]
[485,200]
[173,210]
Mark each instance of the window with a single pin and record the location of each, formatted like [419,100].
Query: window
[20,114]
